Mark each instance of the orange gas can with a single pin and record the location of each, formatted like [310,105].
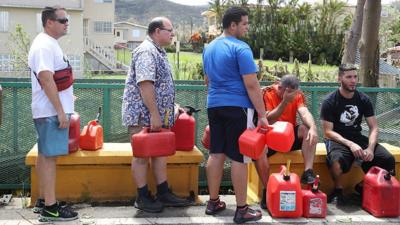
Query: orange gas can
[252,143]
[153,144]
[284,195]
[280,136]
[73,133]
[314,201]
[381,193]
[205,140]
[91,137]
[184,129]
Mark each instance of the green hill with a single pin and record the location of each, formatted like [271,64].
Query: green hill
[142,11]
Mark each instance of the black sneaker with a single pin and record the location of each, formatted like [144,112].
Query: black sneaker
[148,204]
[39,205]
[359,188]
[308,177]
[337,197]
[247,214]
[263,202]
[215,206]
[170,199]
[60,214]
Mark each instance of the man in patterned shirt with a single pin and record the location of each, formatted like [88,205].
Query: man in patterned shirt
[149,93]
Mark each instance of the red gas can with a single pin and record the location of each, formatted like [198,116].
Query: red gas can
[284,195]
[91,137]
[381,193]
[252,143]
[205,140]
[184,129]
[280,136]
[153,144]
[314,202]
[74,132]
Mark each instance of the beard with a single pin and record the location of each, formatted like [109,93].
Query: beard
[348,88]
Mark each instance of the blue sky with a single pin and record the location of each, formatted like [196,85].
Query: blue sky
[205,2]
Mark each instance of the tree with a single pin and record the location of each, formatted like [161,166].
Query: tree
[369,44]
[353,36]
[19,43]
[218,7]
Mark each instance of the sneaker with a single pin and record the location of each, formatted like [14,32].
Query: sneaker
[247,214]
[215,206]
[359,188]
[170,199]
[39,205]
[337,197]
[60,214]
[308,177]
[148,204]
[263,203]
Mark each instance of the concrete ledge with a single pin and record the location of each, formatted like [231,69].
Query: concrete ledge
[255,187]
[105,175]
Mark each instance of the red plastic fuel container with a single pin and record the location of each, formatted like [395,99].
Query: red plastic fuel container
[284,194]
[184,129]
[91,137]
[314,201]
[252,142]
[381,193]
[205,140]
[74,133]
[153,144]
[280,136]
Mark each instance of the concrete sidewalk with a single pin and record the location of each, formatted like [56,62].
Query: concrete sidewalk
[14,214]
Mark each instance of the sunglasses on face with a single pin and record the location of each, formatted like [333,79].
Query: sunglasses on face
[169,30]
[62,20]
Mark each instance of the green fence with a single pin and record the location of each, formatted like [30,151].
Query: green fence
[17,134]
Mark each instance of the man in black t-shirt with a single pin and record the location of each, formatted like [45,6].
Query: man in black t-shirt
[341,116]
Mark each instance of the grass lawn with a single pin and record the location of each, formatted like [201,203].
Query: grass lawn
[188,62]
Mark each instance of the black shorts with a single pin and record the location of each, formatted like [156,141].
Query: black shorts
[226,125]
[343,154]
[296,144]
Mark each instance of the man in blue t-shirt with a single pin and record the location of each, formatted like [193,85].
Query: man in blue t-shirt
[233,94]
[341,116]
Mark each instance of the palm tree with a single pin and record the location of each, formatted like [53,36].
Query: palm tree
[218,7]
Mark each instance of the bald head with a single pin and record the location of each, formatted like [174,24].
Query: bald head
[155,23]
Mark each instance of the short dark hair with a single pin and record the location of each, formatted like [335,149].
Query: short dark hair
[346,67]
[290,80]
[154,24]
[233,14]
[49,13]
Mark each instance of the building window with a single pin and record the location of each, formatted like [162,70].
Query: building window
[3,21]
[102,27]
[118,34]
[103,1]
[6,63]
[75,62]
[135,33]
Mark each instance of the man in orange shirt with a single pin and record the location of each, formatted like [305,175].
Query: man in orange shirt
[283,100]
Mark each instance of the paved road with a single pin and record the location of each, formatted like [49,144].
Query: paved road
[14,214]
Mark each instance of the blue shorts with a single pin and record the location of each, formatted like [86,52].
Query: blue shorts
[52,141]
